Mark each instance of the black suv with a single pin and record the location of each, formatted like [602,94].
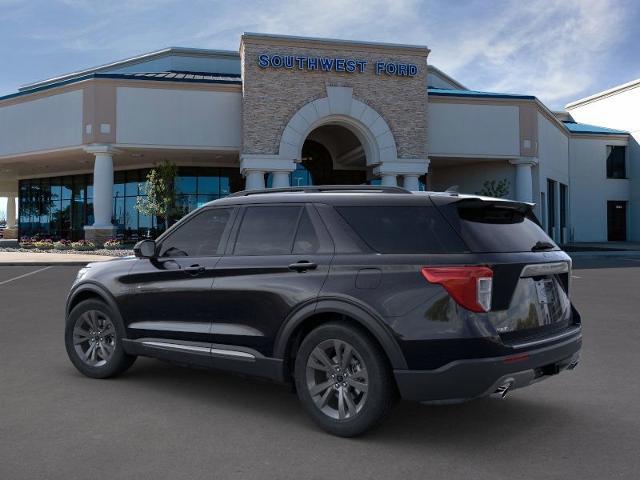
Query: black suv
[355,295]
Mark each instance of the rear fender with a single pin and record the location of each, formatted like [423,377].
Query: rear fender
[367,319]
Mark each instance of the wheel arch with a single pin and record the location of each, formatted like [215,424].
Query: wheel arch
[323,311]
[87,291]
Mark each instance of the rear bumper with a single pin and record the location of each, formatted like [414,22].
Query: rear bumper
[463,380]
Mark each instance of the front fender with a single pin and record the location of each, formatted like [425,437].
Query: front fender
[96,290]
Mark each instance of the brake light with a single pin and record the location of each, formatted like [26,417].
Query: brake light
[469,286]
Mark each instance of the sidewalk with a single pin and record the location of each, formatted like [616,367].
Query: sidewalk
[32,258]
[602,246]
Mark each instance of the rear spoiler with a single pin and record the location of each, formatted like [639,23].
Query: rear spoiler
[445,198]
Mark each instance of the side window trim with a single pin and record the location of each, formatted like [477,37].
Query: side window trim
[233,234]
[185,220]
[327,244]
[227,229]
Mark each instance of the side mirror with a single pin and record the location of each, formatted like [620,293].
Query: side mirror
[145,249]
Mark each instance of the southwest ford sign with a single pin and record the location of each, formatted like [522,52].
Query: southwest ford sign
[331,64]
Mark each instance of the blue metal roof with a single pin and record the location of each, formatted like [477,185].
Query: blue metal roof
[175,75]
[188,77]
[444,92]
[575,127]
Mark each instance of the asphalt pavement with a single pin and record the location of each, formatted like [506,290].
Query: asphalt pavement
[162,421]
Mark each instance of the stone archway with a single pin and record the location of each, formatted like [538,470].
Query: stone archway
[340,108]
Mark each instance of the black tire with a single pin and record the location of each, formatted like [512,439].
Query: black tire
[381,393]
[118,361]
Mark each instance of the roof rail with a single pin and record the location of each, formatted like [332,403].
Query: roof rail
[322,189]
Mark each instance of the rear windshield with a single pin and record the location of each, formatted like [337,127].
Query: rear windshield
[495,227]
[403,229]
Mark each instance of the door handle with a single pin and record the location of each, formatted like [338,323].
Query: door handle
[194,270]
[303,266]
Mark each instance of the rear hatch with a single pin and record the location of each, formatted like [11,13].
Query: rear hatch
[531,275]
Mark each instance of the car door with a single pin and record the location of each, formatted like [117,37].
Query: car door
[278,260]
[169,296]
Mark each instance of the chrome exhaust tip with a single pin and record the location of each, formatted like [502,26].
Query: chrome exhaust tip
[502,390]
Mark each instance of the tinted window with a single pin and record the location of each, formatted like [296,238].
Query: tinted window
[497,226]
[616,162]
[267,230]
[402,229]
[306,238]
[199,236]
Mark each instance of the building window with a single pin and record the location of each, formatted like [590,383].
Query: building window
[60,207]
[616,161]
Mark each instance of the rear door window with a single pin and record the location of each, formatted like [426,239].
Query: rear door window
[267,230]
[497,226]
[402,229]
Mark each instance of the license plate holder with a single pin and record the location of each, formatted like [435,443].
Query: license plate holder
[546,291]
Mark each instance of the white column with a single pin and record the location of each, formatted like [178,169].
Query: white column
[280,179]
[411,182]
[11,212]
[103,190]
[254,179]
[409,169]
[389,180]
[524,178]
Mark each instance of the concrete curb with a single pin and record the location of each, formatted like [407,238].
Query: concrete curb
[44,264]
[616,253]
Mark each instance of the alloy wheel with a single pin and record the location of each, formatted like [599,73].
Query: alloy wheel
[337,379]
[94,338]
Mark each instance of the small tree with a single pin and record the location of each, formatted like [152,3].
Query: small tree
[160,199]
[491,188]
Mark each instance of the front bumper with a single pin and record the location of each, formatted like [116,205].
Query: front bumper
[463,380]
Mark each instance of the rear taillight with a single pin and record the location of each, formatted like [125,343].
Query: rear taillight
[470,286]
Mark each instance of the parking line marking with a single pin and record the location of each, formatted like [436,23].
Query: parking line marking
[25,275]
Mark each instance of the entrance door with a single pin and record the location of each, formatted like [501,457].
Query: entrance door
[551,209]
[617,221]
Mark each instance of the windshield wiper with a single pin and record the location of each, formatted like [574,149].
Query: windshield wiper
[542,246]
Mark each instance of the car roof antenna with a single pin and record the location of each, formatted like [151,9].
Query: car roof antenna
[453,189]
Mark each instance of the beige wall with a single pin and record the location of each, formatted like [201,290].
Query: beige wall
[171,117]
[49,122]
[272,96]
[462,129]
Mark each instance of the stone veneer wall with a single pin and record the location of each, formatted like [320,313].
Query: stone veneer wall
[271,96]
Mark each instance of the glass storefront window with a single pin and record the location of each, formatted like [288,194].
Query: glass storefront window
[118,184]
[60,207]
[67,188]
[209,185]
[186,184]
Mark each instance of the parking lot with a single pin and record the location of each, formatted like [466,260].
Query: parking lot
[163,421]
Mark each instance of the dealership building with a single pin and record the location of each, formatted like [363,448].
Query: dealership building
[75,149]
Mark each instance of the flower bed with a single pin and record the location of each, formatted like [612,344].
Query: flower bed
[43,244]
[112,247]
[83,245]
[62,245]
[113,244]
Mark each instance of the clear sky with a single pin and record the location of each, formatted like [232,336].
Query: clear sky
[558,50]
